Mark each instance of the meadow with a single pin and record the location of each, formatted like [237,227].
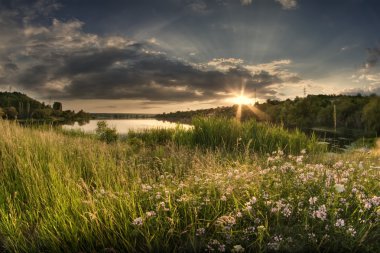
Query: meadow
[223,186]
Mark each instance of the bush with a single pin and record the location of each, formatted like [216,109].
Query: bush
[106,133]
[11,112]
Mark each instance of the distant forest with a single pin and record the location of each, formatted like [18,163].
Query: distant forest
[351,112]
[15,105]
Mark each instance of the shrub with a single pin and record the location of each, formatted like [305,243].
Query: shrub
[106,133]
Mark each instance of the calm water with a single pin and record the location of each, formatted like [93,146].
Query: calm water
[125,125]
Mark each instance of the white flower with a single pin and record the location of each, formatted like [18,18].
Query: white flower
[339,223]
[200,231]
[313,200]
[338,164]
[223,198]
[151,214]
[138,221]
[351,231]
[339,188]
[237,248]
[253,200]
[321,213]
[375,201]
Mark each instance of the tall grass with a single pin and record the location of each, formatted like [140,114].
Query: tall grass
[231,135]
[61,193]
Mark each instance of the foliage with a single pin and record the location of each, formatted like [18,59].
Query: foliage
[371,114]
[2,113]
[31,108]
[10,112]
[42,113]
[57,106]
[106,133]
[74,194]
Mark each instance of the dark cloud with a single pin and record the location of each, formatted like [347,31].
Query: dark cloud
[373,56]
[60,60]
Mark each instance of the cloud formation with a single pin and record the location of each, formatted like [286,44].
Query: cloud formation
[288,4]
[60,60]
[246,2]
[373,57]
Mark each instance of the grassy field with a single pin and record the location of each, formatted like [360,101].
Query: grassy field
[222,187]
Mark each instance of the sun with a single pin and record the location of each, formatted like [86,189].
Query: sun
[242,100]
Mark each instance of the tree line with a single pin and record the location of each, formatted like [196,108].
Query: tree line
[330,111]
[16,105]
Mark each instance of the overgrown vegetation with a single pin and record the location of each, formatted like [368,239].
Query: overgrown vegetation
[69,193]
[233,136]
[106,133]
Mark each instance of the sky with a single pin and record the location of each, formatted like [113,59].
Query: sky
[150,56]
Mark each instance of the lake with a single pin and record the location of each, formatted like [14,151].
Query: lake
[123,126]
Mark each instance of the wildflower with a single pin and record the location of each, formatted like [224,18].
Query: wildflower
[367,204]
[339,223]
[237,248]
[223,198]
[303,151]
[339,188]
[226,221]
[312,237]
[287,211]
[253,200]
[146,188]
[200,231]
[215,245]
[321,213]
[239,214]
[150,214]
[351,231]
[299,159]
[138,221]
[275,243]
[375,201]
[338,165]
[313,200]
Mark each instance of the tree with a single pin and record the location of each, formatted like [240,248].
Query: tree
[82,115]
[11,112]
[105,133]
[371,114]
[57,106]
[41,113]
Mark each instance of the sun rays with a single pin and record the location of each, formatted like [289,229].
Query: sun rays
[245,102]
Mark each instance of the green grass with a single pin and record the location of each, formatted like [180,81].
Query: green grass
[71,193]
[233,136]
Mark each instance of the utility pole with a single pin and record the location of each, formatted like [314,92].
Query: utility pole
[334,117]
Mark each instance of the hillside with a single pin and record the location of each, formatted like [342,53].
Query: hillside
[16,105]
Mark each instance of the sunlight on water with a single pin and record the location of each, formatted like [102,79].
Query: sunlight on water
[125,125]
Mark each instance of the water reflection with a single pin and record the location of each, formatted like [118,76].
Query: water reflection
[124,125]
